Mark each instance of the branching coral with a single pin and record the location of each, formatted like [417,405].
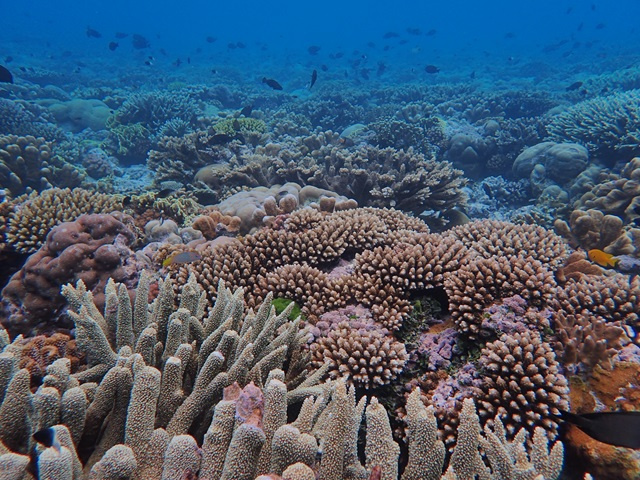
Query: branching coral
[608,126]
[33,216]
[522,383]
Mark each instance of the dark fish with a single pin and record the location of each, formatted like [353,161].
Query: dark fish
[113,46]
[313,49]
[189,60]
[126,201]
[236,124]
[580,26]
[574,86]
[139,42]
[91,33]
[324,68]
[432,32]
[381,69]
[178,62]
[364,73]
[165,192]
[593,7]
[600,26]
[210,39]
[371,45]
[473,75]
[431,69]
[414,31]
[487,190]
[509,35]
[8,59]
[621,429]
[240,45]
[163,52]
[182,257]
[246,111]
[569,10]
[231,46]
[5,75]
[389,35]
[47,437]
[121,35]
[219,139]
[314,77]
[272,83]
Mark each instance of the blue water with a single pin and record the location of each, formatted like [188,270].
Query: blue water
[465,36]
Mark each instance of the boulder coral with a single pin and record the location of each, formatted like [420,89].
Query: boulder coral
[93,248]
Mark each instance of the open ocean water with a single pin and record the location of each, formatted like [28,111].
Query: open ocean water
[448,192]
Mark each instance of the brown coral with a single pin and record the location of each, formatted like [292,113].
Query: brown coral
[366,357]
[522,383]
[593,229]
[215,223]
[34,215]
[479,283]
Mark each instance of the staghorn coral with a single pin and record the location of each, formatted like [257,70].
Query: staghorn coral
[33,216]
[522,384]
[92,248]
[365,357]
[609,126]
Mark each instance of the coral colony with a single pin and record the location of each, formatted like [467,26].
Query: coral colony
[411,274]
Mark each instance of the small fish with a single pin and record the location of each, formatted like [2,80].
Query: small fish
[389,35]
[509,35]
[324,68]
[126,201]
[231,46]
[621,429]
[219,139]
[600,26]
[432,32]
[8,59]
[574,86]
[240,45]
[414,31]
[121,35]
[381,69]
[189,60]
[210,39]
[92,33]
[246,111]
[314,77]
[431,69]
[139,42]
[603,259]
[178,62]
[180,258]
[313,49]
[165,192]
[48,438]
[272,83]
[473,75]
[5,75]
[113,46]
[236,124]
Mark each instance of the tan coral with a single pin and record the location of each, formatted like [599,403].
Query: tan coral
[365,357]
[34,215]
[522,383]
[593,229]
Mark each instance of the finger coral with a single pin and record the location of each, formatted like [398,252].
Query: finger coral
[522,383]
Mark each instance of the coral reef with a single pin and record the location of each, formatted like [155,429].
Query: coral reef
[26,164]
[607,125]
[93,248]
[560,162]
[33,216]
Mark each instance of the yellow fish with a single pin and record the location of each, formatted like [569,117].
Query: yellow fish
[182,257]
[603,259]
